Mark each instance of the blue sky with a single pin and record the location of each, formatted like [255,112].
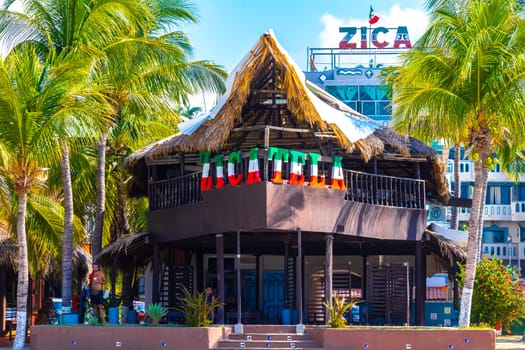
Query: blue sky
[227,29]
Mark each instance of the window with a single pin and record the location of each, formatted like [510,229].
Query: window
[371,100]
[522,234]
[521,192]
[498,195]
[464,167]
[491,235]
[384,108]
[466,191]
[369,108]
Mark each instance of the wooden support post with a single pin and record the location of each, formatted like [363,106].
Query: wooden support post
[155,281]
[329,246]
[420,282]
[286,274]
[219,246]
[299,278]
[238,263]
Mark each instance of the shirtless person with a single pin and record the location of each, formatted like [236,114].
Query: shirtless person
[97,281]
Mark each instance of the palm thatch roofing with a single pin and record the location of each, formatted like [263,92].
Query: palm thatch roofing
[450,250]
[53,269]
[126,249]
[8,250]
[269,102]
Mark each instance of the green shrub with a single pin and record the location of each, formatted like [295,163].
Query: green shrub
[338,309]
[156,312]
[498,299]
[197,308]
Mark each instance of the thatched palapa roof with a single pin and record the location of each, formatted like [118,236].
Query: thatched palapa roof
[8,250]
[447,247]
[126,249]
[269,102]
[9,257]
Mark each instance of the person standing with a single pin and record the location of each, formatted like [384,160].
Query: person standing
[97,281]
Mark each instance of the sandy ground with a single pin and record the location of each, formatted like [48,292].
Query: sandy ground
[510,342]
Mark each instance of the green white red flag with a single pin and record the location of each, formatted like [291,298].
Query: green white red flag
[372,17]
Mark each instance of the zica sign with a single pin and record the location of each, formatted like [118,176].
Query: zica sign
[378,38]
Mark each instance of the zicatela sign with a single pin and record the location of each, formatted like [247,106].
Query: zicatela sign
[380,38]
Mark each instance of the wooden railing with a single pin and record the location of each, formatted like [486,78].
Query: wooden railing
[361,187]
[174,192]
[384,190]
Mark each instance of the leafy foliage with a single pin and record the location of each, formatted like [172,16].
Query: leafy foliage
[197,308]
[156,312]
[338,309]
[498,298]
[463,82]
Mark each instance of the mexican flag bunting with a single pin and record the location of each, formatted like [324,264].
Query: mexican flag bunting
[296,171]
[338,181]
[280,155]
[372,17]
[235,157]
[253,167]
[315,179]
[206,180]
[219,169]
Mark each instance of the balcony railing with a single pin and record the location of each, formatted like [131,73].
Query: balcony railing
[360,187]
[385,190]
[515,211]
[175,192]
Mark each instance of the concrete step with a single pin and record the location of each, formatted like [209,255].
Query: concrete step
[280,344]
[268,337]
[268,328]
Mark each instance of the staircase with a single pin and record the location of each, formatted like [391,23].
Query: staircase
[268,337]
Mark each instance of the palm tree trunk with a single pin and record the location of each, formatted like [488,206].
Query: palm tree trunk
[67,238]
[23,273]
[96,244]
[454,219]
[475,222]
[480,226]
[123,213]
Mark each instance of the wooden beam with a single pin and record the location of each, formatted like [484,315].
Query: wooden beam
[271,127]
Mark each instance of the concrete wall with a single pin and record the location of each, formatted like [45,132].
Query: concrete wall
[185,338]
[401,338]
[125,337]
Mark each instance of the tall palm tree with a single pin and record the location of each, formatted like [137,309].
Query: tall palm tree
[145,75]
[109,31]
[80,29]
[36,97]
[466,77]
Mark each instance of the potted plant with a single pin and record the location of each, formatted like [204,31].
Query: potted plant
[156,312]
[337,310]
[198,309]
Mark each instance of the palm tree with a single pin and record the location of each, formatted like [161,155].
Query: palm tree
[35,98]
[465,77]
[145,75]
[76,28]
[188,112]
[87,29]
